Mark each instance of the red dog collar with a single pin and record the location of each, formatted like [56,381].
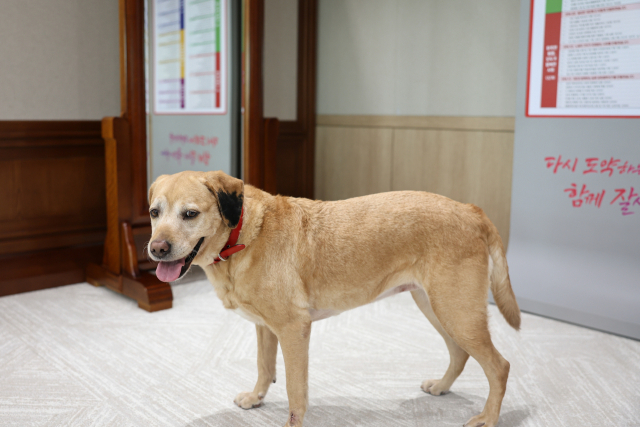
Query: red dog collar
[230,247]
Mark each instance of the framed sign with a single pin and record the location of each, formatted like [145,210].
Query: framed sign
[194,58]
[584,58]
[190,56]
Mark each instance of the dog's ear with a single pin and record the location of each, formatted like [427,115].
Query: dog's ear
[229,192]
[158,179]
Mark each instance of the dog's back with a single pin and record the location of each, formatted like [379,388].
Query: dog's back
[359,247]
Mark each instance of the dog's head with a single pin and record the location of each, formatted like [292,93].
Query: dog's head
[187,209]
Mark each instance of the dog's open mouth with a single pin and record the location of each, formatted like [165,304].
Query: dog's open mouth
[170,271]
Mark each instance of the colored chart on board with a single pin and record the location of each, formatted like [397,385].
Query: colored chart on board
[189,56]
[584,58]
[193,86]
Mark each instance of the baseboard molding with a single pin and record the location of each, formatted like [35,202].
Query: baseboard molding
[579,318]
[55,240]
[46,269]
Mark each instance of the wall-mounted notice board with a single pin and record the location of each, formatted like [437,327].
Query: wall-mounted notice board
[194,81]
[584,58]
[574,249]
[190,56]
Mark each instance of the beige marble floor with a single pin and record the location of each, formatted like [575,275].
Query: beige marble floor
[84,356]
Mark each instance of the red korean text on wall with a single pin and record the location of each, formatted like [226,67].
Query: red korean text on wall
[200,156]
[626,199]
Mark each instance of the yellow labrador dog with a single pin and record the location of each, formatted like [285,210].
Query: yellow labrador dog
[284,262]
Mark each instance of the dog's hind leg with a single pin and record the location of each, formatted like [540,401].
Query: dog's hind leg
[459,302]
[267,352]
[458,357]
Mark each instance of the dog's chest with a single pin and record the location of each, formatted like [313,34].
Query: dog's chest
[248,315]
[319,314]
[230,301]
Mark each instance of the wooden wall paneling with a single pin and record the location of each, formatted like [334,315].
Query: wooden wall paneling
[53,193]
[291,164]
[51,242]
[52,185]
[467,166]
[47,198]
[352,162]
[271,131]
[468,159]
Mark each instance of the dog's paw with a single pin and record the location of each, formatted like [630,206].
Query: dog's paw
[482,420]
[434,387]
[248,400]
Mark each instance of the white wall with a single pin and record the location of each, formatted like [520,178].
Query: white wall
[280,59]
[60,59]
[418,57]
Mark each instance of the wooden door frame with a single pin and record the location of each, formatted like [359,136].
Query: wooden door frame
[260,152]
[252,90]
[303,129]
[135,113]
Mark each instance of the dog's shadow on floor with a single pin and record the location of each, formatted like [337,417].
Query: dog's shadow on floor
[451,410]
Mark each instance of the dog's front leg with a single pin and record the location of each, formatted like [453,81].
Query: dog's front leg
[294,341]
[267,352]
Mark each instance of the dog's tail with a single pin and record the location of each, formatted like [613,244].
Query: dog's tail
[500,282]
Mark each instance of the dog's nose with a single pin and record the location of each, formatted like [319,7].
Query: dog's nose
[160,248]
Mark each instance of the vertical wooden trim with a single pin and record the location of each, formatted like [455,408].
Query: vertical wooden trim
[307,40]
[245,89]
[136,114]
[271,129]
[128,251]
[123,58]
[111,257]
[253,113]
[307,86]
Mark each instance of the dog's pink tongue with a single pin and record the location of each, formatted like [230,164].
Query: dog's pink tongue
[169,271]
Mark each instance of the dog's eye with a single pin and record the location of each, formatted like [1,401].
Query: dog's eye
[154,213]
[191,214]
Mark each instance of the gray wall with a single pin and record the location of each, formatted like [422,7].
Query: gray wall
[579,265]
[60,60]
[280,62]
[417,57]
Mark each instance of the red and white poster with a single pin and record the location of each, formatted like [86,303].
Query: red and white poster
[189,57]
[584,58]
